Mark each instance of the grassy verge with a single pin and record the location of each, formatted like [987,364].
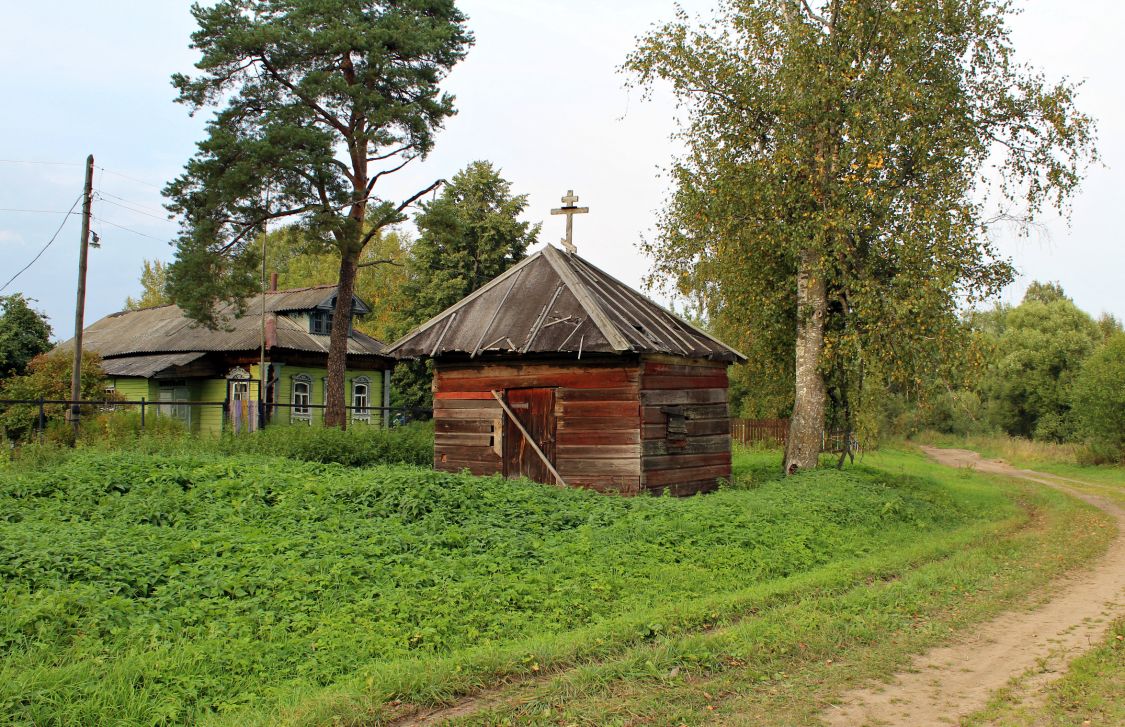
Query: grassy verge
[359,446]
[774,651]
[782,661]
[193,586]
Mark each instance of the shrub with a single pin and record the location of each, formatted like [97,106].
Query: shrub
[356,447]
[1099,400]
[119,428]
[48,377]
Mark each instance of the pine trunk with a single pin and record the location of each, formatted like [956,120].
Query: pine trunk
[336,415]
[806,427]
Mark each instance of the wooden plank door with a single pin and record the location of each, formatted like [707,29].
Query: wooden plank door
[535,408]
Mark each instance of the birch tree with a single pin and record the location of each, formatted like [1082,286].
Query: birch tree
[845,161]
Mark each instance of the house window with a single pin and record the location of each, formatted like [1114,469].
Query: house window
[240,390]
[320,322]
[174,391]
[302,397]
[361,398]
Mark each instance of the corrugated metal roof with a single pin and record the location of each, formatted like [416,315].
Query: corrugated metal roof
[165,329]
[558,302]
[300,299]
[147,366]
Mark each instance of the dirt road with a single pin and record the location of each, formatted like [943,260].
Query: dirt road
[949,683]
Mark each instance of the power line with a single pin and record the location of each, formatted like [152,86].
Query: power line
[47,164]
[61,226]
[73,164]
[127,229]
[143,205]
[131,179]
[139,212]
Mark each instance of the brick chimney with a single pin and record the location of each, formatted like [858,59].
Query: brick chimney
[273,282]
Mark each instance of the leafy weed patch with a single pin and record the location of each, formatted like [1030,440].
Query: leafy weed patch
[143,588]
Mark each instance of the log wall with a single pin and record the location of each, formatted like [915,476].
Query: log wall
[597,409]
[686,424]
[656,423]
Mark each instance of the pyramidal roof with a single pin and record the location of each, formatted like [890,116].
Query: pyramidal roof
[556,302]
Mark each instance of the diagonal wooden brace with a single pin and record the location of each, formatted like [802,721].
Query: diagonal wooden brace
[527,438]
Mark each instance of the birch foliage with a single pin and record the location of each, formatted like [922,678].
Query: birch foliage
[868,145]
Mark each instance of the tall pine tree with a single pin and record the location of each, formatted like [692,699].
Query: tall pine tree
[320,100]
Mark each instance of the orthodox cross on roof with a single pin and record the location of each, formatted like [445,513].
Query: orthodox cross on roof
[570,209]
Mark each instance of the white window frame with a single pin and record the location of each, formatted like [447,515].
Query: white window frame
[301,411]
[361,414]
[240,390]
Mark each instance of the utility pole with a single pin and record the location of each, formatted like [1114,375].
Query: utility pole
[262,359]
[80,307]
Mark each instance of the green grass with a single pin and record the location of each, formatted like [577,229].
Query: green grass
[186,585]
[142,588]
[780,655]
[359,446]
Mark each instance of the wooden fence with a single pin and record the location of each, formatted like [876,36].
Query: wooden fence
[776,432]
[754,431]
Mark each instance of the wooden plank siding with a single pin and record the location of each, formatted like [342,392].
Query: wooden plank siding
[597,412]
[611,433]
[467,434]
[692,454]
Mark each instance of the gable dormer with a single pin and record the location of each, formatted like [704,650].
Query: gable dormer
[320,317]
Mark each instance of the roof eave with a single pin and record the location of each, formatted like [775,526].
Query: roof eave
[391,350]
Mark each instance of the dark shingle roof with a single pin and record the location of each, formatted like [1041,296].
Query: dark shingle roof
[557,302]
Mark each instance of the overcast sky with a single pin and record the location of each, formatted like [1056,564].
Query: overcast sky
[539,95]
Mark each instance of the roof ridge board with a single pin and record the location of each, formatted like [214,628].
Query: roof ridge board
[145,309]
[495,282]
[675,317]
[282,291]
[640,312]
[579,290]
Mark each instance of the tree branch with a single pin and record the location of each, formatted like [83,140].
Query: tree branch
[818,18]
[248,227]
[385,261]
[325,114]
[345,169]
[392,170]
[389,154]
[388,219]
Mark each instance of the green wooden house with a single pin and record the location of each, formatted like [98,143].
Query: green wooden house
[159,355]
